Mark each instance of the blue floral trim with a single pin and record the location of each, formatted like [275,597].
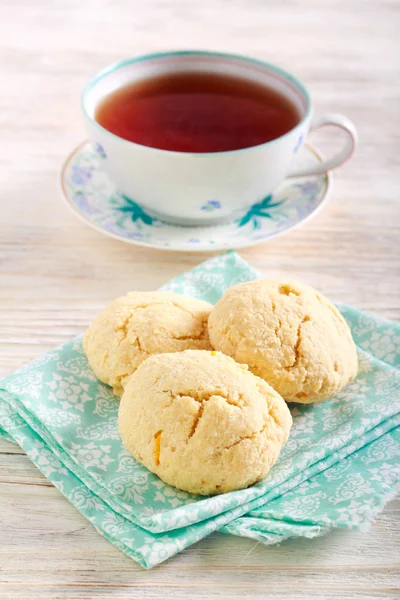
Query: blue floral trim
[93,195]
[80,175]
[298,144]
[211,205]
[100,151]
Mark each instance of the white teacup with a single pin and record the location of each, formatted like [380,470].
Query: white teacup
[175,186]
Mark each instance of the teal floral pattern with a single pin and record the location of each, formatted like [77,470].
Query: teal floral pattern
[134,210]
[91,194]
[340,465]
[259,211]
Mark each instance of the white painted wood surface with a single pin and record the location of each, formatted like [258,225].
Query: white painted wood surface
[56,273]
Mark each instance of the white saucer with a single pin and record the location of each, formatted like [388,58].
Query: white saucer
[93,197]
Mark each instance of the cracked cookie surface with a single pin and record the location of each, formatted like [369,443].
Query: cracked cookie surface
[138,325]
[289,335]
[202,422]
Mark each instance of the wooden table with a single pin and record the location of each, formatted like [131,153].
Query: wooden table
[56,273]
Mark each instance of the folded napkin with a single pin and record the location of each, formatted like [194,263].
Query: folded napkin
[340,465]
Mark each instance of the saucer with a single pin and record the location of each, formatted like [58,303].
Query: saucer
[93,197]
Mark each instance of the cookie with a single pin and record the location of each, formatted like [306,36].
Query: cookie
[202,422]
[288,334]
[140,324]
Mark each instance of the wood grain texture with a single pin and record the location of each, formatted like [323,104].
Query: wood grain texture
[56,273]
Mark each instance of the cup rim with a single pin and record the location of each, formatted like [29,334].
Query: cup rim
[246,59]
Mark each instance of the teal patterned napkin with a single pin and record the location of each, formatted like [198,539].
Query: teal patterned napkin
[349,495]
[65,420]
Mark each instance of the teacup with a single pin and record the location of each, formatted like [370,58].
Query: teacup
[176,186]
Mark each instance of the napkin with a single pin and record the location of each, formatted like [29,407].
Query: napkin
[66,421]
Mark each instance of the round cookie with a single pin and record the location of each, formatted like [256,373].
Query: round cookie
[140,324]
[288,334]
[202,422]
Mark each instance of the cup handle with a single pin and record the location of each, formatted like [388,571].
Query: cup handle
[338,159]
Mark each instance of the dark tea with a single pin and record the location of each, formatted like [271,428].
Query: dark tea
[197,112]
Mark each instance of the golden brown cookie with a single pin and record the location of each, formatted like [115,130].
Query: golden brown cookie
[288,334]
[202,422]
[140,324]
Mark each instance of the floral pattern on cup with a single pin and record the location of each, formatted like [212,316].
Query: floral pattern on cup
[134,210]
[298,144]
[90,192]
[260,210]
[100,151]
[211,205]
